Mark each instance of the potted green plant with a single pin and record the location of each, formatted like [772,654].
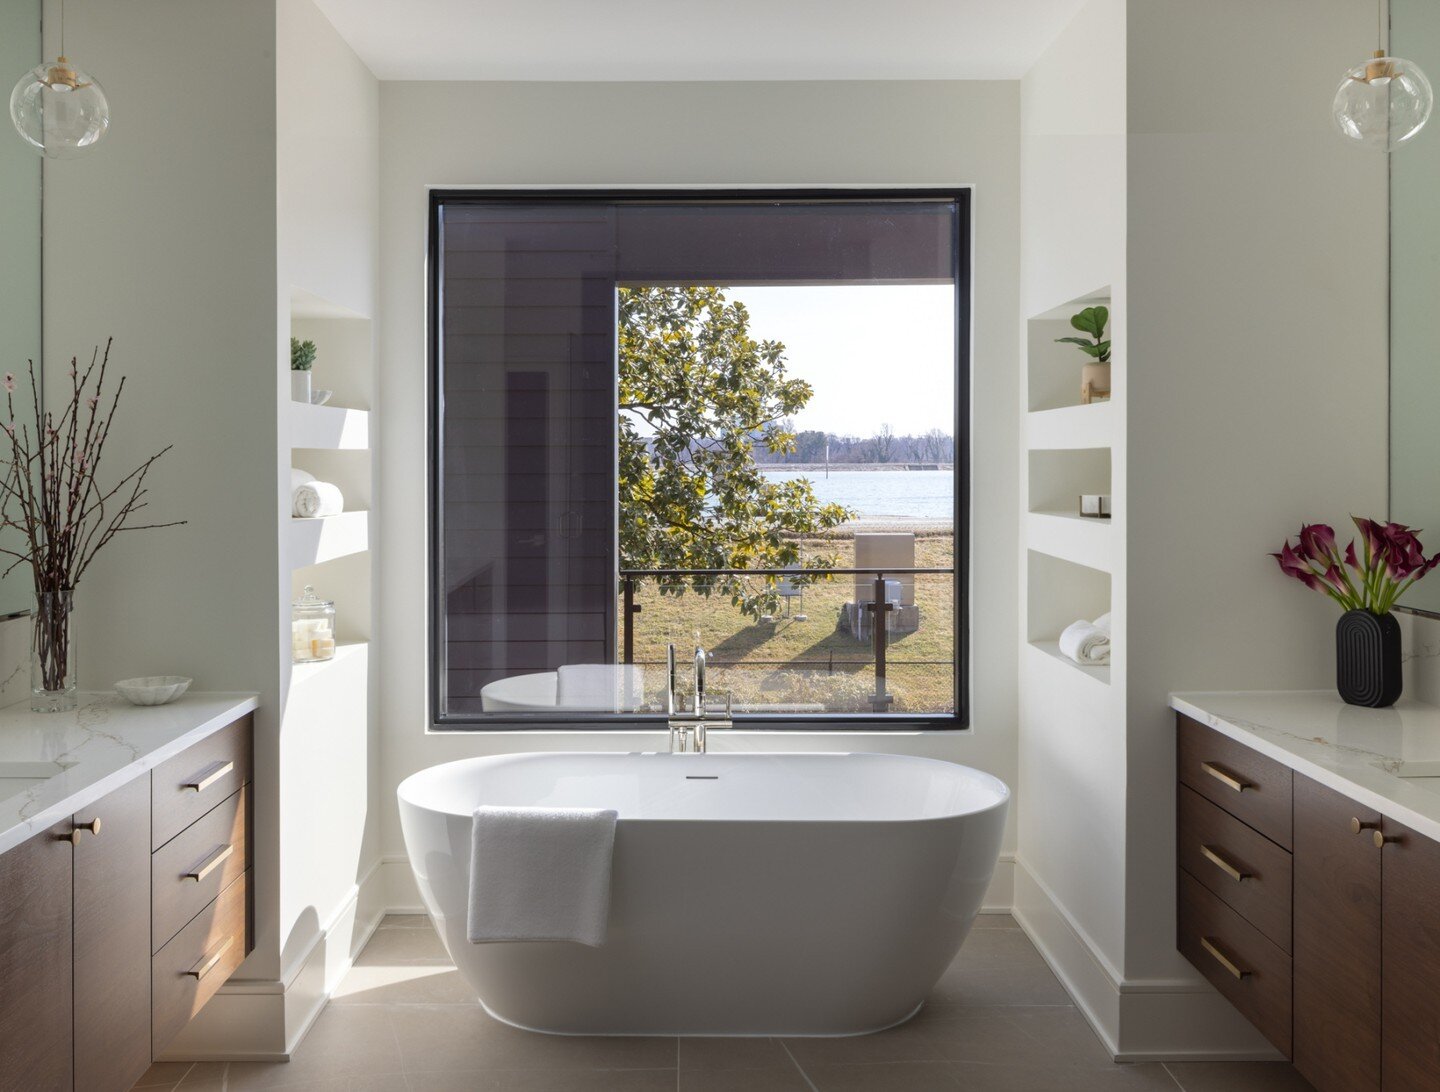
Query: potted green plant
[302,357]
[1095,376]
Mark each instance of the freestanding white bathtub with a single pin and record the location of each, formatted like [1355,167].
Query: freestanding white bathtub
[752,894]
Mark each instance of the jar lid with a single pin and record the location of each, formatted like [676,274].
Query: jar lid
[309,600]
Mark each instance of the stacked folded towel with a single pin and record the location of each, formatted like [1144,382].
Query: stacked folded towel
[540,874]
[310,499]
[1087,642]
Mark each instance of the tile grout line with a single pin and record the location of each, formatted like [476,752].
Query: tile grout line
[1169,1073]
[800,1068]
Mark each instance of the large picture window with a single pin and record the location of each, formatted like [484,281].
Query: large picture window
[735,421]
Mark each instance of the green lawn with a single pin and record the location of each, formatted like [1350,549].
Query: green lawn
[808,663]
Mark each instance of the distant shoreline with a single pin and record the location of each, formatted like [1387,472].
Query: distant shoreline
[836,468]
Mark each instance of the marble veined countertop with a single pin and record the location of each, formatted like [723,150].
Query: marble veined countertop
[53,764]
[1387,759]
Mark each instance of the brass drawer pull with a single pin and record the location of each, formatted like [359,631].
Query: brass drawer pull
[1222,959]
[1223,865]
[1227,779]
[208,964]
[1381,840]
[208,776]
[214,861]
[1357,825]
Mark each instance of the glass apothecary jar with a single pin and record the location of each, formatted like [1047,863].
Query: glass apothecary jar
[312,628]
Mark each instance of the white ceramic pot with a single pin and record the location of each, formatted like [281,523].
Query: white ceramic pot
[1094,380]
[300,386]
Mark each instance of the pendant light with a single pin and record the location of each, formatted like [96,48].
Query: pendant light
[1385,101]
[57,108]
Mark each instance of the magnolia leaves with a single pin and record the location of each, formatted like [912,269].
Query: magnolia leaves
[697,395]
[1092,321]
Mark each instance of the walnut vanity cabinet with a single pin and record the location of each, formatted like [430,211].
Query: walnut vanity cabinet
[111,842]
[1410,939]
[1349,986]
[119,923]
[36,1034]
[1337,940]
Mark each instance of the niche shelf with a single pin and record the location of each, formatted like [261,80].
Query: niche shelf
[1071,427]
[1049,652]
[325,538]
[1072,537]
[334,428]
[1058,477]
[1060,591]
[1054,370]
[344,650]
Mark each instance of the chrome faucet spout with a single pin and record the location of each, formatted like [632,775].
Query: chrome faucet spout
[670,674]
[688,730]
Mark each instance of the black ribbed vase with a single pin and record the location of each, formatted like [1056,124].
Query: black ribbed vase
[1367,659]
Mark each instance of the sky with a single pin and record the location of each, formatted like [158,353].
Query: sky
[875,354]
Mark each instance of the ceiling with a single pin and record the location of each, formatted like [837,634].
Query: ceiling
[694,40]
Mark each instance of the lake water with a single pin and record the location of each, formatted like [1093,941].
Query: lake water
[882,496]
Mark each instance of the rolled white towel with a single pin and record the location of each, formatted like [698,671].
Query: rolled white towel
[311,499]
[299,477]
[1086,642]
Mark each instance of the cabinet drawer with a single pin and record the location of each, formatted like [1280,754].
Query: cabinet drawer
[190,871]
[200,777]
[1253,788]
[1252,972]
[1250,873]
[187,971]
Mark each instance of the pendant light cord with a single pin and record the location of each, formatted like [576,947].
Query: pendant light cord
[62,28]
[1380,6]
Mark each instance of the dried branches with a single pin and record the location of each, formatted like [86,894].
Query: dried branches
[49,489]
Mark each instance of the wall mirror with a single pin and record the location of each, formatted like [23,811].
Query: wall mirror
[20,319]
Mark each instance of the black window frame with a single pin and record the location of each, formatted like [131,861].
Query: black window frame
[963,253]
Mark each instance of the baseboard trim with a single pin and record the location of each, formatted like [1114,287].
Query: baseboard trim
[1138,1020]
[264,1020]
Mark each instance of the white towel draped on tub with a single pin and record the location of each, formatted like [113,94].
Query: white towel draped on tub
[1087,642]
[540,874]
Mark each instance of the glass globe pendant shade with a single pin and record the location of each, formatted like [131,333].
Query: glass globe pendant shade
[59,110]
[1383,103]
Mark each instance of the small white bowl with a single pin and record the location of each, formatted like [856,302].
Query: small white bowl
[153,689]
[320,397]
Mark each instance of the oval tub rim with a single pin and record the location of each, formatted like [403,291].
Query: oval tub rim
[1003,790]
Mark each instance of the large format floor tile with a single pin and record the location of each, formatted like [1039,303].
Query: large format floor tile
[403,1020]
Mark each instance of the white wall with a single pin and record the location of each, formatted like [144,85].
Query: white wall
[884,134]
[1072,746]
[1245,246]
[181,234]
[1257,333]
[327,160]
[164,237]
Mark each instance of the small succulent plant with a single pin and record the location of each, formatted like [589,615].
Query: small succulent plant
[302,355]
[1091,321]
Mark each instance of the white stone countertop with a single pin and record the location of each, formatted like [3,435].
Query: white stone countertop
[54,764]
[1386,759]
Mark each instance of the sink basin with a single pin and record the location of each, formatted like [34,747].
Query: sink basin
[16,777]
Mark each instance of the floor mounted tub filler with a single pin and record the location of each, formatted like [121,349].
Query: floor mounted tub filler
[751,894]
